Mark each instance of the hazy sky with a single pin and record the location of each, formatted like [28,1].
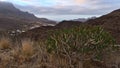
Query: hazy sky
[66,9]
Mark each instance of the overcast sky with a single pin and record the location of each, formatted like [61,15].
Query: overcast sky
[66,9]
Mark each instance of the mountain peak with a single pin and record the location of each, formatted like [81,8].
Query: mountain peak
[7,9]
[6,5]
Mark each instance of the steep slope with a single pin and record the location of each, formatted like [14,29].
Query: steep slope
[8,10]
[15,17]
[110,22]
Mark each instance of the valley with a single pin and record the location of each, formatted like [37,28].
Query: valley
[27,41]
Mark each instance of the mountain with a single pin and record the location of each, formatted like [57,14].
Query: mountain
[111,23]
[10,24]
[80,19]
[8,10]
[68,24]
[11,17]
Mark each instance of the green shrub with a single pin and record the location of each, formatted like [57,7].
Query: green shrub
[83,40]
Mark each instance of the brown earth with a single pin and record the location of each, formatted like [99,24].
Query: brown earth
[111,23]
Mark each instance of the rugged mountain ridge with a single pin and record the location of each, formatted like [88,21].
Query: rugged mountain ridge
[8,10]
[110,22]
[12,18]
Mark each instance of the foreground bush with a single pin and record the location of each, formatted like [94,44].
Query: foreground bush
[85,41]
[76,47]
[5,43]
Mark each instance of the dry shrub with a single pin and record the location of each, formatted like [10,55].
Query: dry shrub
[16,53]
[27,50]
[5,43]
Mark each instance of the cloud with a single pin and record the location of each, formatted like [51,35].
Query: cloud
[3,0]
[80,1]
[67,7]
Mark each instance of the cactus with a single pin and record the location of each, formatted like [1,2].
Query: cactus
[82,40]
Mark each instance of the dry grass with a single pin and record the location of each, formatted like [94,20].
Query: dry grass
[5,43]
[35,55]
[30,56]
[27,48]
[25,53]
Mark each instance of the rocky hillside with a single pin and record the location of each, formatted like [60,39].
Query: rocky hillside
[7,24]
[42,32]
[110,22]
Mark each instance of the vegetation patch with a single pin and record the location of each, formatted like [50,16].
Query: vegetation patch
[5,43]
[86,41]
